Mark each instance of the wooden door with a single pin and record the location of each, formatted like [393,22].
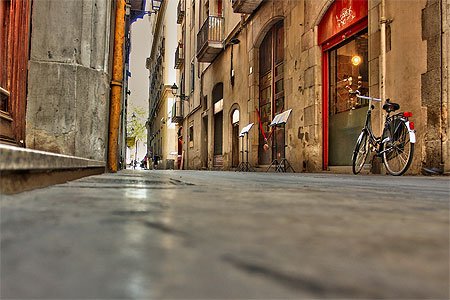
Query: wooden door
[271,92]
[14,48]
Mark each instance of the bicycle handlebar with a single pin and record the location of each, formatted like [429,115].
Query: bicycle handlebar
[357,93]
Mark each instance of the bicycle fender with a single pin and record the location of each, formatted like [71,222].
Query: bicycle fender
[412,134]
[360,136]
[357,142]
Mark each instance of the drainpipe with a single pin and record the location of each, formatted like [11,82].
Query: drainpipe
[383,51]
[116,85]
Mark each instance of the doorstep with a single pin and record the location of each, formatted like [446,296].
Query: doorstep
[347,169]
[24,169]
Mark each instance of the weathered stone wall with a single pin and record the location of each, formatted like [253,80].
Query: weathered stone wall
[309,129]
[68,81]
[432,84]
[406,60]
[235,96]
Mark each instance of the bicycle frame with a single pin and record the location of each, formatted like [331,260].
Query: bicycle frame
[368,124]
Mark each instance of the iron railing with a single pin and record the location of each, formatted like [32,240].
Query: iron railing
[180,12]
[177,111]
[179,56]
[212,31]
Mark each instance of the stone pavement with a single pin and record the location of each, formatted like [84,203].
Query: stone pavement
[203,234]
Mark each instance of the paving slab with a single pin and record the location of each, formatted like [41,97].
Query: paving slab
[213,235]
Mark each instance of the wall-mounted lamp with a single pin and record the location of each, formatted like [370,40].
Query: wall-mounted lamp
[232,42]
[156,5]
[174,88]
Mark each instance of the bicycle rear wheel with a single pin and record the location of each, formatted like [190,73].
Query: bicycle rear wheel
[398,150]
[360,153]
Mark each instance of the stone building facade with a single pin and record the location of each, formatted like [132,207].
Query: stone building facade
[161,134]
[56,74]
[264,57]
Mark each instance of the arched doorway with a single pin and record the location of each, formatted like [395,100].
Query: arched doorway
[235,138]
[271,91]
[217,99]
[344,40]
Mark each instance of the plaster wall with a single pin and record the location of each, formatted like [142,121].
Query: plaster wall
[68,90]
[432,84]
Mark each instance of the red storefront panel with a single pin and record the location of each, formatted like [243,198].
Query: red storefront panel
[343,19]
[341,15]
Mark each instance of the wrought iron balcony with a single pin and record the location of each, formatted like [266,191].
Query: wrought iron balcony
[210,39]
[179,56]
[177,111]
[180,12]
[245,6]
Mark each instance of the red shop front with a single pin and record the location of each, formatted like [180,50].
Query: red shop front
[344,40]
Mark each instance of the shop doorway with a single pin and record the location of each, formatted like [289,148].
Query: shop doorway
[346,114]
[271,91]
[342,33]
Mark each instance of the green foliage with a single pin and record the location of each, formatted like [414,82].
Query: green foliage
[136,123]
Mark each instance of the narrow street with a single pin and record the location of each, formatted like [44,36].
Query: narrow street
[204,234]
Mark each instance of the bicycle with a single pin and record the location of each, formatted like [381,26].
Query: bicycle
[395,146]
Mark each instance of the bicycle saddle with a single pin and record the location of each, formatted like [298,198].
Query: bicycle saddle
[390,106]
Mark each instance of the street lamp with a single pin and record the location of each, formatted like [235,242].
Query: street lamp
[156,6]
[232,42]
[174,88]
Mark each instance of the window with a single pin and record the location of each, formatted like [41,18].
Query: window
[193,15]
[219,8]
[206,11]
[348,60]
[192,75]
[205,103]
[191,134]
[182,84]
[235,117]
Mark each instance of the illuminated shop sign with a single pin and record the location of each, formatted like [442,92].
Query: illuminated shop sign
[341,15]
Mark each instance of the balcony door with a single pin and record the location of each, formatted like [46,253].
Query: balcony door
[271,92]
[217,97]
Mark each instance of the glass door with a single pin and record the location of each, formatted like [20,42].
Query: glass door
[346,114]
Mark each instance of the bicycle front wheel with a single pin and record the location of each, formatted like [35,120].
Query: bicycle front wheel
[360,153]
[398,150]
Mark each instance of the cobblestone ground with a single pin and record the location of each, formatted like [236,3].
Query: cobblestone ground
[193,234]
